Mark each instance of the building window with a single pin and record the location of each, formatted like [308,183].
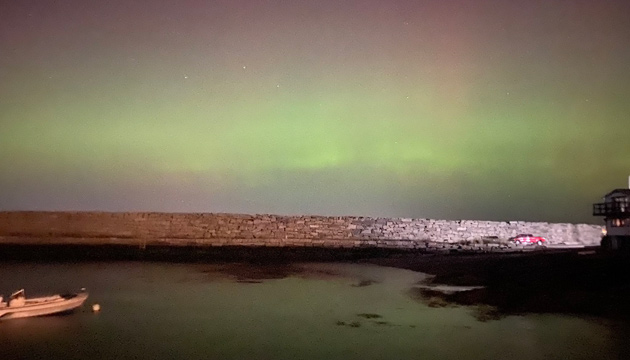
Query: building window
[620,223]
[622,204]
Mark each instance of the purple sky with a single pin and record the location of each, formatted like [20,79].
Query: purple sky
[497,110]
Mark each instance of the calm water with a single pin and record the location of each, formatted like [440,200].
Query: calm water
[305,311]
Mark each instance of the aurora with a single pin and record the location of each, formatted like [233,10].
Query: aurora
[486,110]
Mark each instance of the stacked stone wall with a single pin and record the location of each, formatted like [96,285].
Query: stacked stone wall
[206,229]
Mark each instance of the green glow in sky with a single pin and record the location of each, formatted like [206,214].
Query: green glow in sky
[383,108]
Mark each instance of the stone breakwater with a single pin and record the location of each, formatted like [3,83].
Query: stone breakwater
[208,229]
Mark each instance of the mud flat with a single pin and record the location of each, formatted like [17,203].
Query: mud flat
[576,281]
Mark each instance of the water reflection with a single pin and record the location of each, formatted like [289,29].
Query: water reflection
[288,311]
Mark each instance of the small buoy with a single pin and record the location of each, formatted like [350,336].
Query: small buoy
[96,308]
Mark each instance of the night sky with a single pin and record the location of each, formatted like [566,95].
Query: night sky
[490,110]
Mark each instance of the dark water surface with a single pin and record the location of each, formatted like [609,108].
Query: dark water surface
[300,311]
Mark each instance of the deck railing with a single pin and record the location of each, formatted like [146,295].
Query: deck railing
[612,209]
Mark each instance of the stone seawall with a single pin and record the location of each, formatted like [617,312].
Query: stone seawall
[206,229]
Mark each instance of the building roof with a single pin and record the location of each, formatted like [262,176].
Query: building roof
[625,192]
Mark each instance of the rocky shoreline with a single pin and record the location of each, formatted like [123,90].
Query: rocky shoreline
[81,252]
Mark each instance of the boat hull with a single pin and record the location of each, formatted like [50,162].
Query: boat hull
[33,308]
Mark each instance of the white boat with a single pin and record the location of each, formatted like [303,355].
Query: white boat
[19,306]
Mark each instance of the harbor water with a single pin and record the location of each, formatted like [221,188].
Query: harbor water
[292,311]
